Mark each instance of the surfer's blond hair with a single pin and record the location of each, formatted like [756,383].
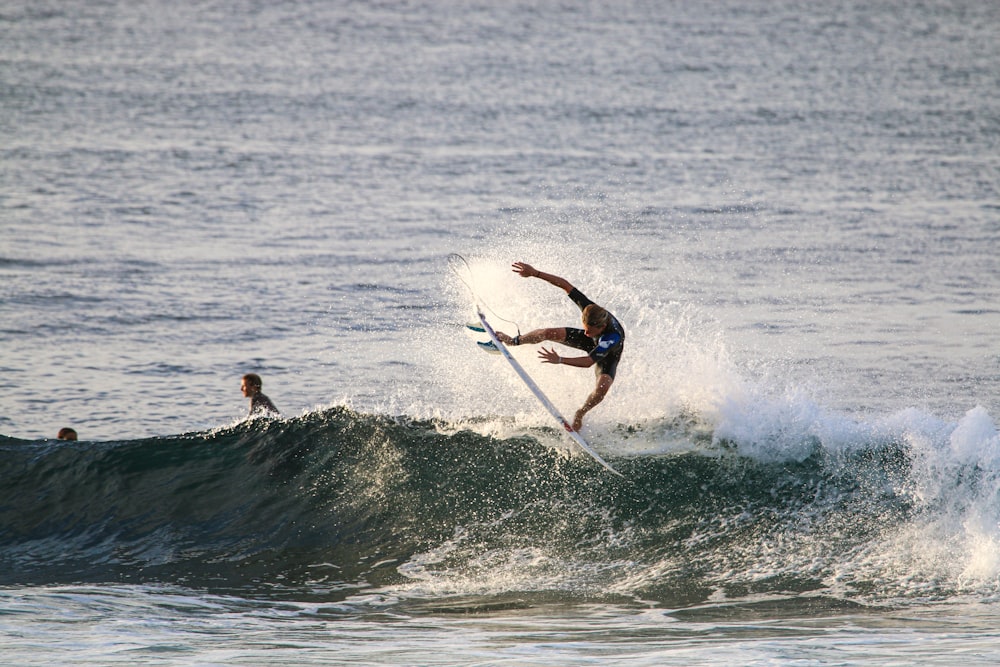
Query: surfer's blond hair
[596,316]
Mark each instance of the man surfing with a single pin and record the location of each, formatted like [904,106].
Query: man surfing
[602,338]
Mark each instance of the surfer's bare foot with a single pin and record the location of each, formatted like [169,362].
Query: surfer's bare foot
[578,422]
[504,338]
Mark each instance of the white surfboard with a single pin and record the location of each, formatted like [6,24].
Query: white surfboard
[575,435]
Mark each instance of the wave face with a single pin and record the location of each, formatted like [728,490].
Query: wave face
[337,501]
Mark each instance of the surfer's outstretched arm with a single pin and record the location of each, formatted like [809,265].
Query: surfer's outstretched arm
[528,271]
[550,356]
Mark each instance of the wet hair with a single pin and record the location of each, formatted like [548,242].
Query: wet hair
[66,433]
[595,316]
[253,380]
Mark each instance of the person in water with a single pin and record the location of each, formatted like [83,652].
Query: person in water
[67,433]
[602,338]
[260,405]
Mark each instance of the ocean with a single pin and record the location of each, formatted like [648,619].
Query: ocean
[792,207]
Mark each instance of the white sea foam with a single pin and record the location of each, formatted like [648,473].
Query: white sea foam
[677,370]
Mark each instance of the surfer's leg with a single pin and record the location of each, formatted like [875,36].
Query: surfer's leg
[604,382]
[578,339]
[554,334]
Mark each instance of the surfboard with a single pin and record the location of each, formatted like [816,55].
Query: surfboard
[543,399]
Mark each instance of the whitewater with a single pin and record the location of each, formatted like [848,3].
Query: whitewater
[793,210]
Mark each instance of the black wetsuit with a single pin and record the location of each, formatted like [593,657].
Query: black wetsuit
[262,405]
[607,348]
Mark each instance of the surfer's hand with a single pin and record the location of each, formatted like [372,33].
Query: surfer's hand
[549,356]
[526,270]
[578,420]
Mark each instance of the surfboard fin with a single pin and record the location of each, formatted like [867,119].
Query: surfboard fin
[478,328]
[488,346]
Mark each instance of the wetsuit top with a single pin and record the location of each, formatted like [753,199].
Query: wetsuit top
[262,405]
[606,349]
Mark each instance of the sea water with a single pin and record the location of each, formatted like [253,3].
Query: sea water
[793,208]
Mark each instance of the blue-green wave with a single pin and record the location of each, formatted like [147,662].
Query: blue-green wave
[336,501]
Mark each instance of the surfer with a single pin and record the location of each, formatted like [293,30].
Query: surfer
[602,338]
[67,433]
[260,405]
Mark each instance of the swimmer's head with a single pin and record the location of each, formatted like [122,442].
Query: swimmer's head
[251,384]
